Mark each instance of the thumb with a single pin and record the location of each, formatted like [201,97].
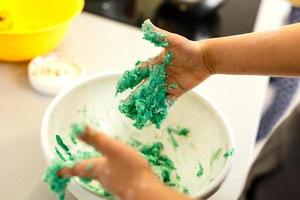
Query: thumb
[172,38]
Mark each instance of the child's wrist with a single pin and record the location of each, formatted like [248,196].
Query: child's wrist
[204,58]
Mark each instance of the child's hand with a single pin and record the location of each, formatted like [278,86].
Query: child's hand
[120,170]
[187,68]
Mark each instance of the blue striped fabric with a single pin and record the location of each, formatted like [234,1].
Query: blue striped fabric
[285,90]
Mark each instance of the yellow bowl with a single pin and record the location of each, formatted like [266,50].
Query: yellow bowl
[29,28]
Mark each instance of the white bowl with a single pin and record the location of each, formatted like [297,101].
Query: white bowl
[94,100]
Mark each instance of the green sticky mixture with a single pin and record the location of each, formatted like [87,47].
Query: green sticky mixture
[85,180]
[64,147]
[228,153]
[215,155]
[181,131]
[158,39]
[162,165]
[185,190]
[148,102]
[59,154]
[172,140]
[200,170]
[57,184]
[132,78]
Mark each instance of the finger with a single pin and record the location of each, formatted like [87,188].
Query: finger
[101,142]
[170,37]
[162,31]
[151,61]
[88,168]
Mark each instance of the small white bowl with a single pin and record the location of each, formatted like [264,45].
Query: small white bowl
[51,73]
[93,100]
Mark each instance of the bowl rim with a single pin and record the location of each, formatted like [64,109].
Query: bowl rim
[208,191]
[61,23]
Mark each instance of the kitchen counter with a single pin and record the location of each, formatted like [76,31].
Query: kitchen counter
[103,45]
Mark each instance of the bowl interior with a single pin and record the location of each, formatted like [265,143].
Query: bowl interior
[33,15]
[94,102]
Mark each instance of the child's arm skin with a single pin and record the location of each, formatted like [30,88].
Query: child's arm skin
[274,53]
[121,170]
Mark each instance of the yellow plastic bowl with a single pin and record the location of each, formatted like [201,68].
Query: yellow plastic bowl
[29,28]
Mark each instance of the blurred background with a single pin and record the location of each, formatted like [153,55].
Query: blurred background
[195,19]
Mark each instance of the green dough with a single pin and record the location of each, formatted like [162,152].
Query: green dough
[200,170]
[228,153]
[59,154]
[85,180]
[185,190]
[148,102]
[132,78]
[178,131]
[63,146]
[172,139]
[162,165]
[57,184]
[158,39]
[183,132]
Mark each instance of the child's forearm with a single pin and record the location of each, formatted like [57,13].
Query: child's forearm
[265,53]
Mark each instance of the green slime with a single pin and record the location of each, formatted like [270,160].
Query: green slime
[228,153]
[132,78]
[148,102]
[177,131]
[158,39]
[161,164]
[200,170]
[57,184]
[64,147]
[59,154]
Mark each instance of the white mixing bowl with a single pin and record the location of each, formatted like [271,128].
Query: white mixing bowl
[94,101]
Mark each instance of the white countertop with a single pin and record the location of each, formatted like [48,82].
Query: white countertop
[104,45]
